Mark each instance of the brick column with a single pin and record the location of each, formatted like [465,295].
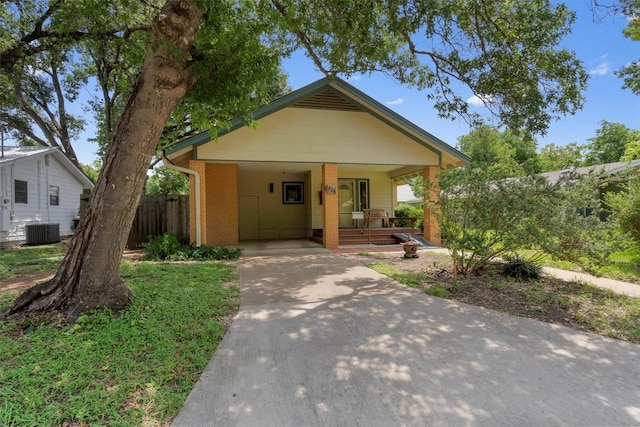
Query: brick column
[222,204]
[431,226]
[330,234]
[200,167]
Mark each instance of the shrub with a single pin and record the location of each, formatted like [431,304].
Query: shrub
[625,206]
[162,247]
[521,268]
[168,247]
[408,211]
[484,217]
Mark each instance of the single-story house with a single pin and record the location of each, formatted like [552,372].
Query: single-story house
[605,169]
[38,186]
[618,173]
[317,159]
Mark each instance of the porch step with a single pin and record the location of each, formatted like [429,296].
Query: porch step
[375,236]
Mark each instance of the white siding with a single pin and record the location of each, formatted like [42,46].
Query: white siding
[69,202]
[40,172]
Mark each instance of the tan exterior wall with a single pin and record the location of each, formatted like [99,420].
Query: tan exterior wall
[221,210]
[320,136]
[276,220]
[431,225]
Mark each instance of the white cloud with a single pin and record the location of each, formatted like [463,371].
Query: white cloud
[602,69]
[479,100]
[395,102]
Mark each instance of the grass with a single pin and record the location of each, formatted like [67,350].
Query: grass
[412,279]
[575,304]
[127,369]
[23,260]
[623,265]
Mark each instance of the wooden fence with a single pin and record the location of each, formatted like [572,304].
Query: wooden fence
[158,215]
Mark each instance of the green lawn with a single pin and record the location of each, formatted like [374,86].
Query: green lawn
[623,265]
[128,369]
[21,260]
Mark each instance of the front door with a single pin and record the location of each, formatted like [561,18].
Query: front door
[249,217]
[346,198]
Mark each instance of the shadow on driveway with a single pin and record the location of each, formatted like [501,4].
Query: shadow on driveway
[321,340]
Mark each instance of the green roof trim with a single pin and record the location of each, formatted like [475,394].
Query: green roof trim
[357,97]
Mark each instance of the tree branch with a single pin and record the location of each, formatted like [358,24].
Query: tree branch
[15,124]
[28,109]
[304,40]
[24,48]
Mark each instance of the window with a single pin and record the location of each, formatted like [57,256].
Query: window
[21,195]
[54,195]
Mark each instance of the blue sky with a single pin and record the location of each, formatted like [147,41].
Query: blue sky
[599,45]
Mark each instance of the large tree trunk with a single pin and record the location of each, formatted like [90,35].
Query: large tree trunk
[88,277]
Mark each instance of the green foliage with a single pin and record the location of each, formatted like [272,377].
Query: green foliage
[162,247]
[135,367]
[518,43]
[482,218]
[631,72]
[417,186]
[632,148]
[93,170]
[521,268]
[505,154]
[609,144]
[625,207]
[408,211]
[555,158]
[168,247]
[517,69]
[165,181]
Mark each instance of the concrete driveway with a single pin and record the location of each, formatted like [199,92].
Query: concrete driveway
[322,341]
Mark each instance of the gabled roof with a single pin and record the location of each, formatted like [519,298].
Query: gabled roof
[14,154]
[335,94]
[605,168]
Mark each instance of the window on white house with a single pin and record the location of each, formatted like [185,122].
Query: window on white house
[21,195]
[54,195]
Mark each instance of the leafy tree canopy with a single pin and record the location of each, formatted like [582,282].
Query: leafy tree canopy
[630,73]
[505,153]
[506,53]
[609,144]
[632,149]
[553,158]
[93,170]
[165,181]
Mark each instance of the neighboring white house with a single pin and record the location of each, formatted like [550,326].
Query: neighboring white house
[38,185]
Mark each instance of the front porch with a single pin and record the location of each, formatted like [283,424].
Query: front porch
[364,236]
[320,155]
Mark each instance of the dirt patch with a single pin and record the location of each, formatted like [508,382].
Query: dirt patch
[25,281]
[546,299]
